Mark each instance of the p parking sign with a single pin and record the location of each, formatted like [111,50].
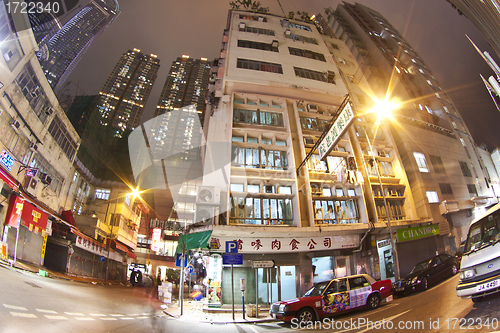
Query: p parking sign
[232,247]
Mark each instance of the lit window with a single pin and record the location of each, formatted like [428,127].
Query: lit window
[421,162]
[432,196]
[236,187]
[102,194]
[253,188]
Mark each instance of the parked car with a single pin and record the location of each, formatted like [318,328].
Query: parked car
[480,270]
[334,296]
[426,273]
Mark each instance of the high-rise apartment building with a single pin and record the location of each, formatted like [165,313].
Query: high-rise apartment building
[486,17]
[126,91]
[63,50]
[315,182]
[458,181]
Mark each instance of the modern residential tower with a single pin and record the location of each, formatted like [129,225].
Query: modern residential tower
[126,91]
[63,50]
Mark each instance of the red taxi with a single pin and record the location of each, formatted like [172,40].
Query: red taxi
[334,296]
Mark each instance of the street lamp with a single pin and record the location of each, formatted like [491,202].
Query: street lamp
[383,109]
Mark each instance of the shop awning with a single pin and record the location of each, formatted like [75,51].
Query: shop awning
[120,247]
[193,241]
[131,255]
[8,179]
[67,215]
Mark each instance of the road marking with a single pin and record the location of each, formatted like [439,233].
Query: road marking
[74,313]
[109,319]
[13,307]
[366,330]
[143,317]
[25,315]
[56,317]
[46,311]
[116,315]
[126,318]
[84,318]
[98,315]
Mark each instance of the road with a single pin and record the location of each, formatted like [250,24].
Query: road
[31,303]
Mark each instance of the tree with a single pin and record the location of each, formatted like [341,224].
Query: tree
[248,5]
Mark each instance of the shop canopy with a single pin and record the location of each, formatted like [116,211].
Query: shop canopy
[193,241]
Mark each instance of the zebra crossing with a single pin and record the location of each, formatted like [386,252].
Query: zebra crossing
[23,312]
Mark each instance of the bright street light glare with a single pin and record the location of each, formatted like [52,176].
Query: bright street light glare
[384,108]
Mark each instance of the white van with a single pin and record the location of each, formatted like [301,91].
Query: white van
[480,267]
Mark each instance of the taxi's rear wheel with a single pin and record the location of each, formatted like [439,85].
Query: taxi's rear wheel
[373,302]
[306,315]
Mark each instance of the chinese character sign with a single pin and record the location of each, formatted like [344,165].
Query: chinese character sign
[291,244]
[336,131]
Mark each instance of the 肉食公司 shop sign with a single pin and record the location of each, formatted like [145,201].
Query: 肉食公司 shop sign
[285,244]
[417,232]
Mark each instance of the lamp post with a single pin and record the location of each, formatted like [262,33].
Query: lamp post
[383,108]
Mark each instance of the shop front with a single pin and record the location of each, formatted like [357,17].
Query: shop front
[297,262]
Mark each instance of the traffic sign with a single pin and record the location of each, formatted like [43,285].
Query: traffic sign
[262,263]
[178,260]
[232,259]
[231,247]
[190,269]
[102,258]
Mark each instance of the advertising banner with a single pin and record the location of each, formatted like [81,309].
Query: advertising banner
[417,232]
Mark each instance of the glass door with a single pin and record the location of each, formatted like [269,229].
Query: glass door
[288,283]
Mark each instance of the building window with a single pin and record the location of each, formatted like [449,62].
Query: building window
[335,211]
[44,166]
[60,134]
[253,18]
[472,189]
[236,187]
[395,207]
[315,124]
[102,194]
[261,211]
[437,164]
[256,45]
[287,23]
[432,196]
[421,162]
[315,75]
[33,91]
[258,31]
[306,54]
[445,188]
[465,169]
[259,66]
[300,38]
[259,158]
[258,117]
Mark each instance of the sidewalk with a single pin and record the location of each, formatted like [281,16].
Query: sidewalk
[199,311]
[192,310]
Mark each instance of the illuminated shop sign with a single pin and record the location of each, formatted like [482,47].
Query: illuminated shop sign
[6,160]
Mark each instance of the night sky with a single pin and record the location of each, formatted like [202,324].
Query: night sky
[171,28]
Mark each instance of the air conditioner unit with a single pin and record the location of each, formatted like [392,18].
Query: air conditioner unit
[288,32]
[208,195]
[309,141]
[242,25]
[206,215]
[30,184]
[33,146]
[312,108]
[15,124]
[45,179]
[261,18]
[285,23]
[8,55]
